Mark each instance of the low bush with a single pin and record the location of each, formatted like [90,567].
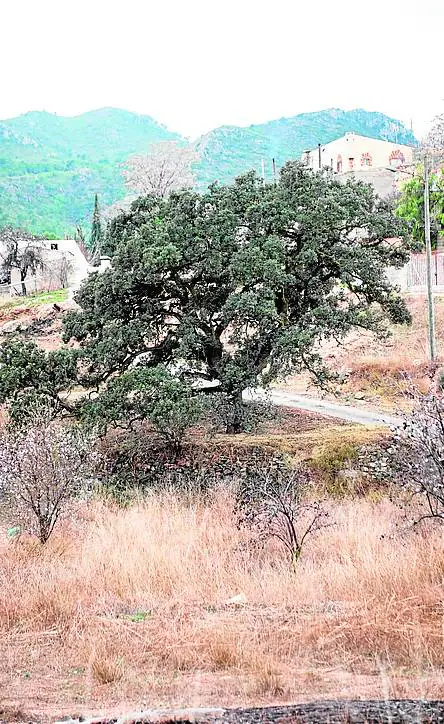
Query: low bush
[276,502]
[43,468]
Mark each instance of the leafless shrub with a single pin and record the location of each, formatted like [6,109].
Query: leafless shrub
[276,504]
[42,469]
[22,251]
[414,458]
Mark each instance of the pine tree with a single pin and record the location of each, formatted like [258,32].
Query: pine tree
[96,232]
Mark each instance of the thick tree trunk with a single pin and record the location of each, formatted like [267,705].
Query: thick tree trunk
[235,423]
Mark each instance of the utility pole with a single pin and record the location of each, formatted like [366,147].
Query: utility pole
[319,156]
[274,171]
[431,308]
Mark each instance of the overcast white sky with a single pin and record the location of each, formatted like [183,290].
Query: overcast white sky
[198,64]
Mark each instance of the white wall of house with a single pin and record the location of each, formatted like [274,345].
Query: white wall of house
[64,265]
[353,152]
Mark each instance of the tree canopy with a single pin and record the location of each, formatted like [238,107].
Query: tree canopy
[234,287]
[410,205]
[165,168]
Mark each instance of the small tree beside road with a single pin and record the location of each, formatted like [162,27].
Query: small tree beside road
[20,250]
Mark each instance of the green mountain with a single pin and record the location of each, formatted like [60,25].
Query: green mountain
[52,166]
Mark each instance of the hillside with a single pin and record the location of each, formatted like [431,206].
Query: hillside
[51,166]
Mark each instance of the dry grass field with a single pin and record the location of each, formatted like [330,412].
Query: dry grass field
[127,608]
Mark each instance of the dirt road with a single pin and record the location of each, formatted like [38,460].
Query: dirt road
[359,415]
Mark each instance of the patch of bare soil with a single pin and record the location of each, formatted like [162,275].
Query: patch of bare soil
[41,323]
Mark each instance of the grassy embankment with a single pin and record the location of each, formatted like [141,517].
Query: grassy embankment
[33,300]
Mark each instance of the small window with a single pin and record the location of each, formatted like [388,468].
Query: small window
[351,163]
[396,158]
[339,163]
[54,246]
[366,159]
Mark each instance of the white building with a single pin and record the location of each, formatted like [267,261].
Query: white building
[353,152]
[63,265]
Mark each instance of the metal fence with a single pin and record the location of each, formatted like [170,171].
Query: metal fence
[416,271]
[33,286]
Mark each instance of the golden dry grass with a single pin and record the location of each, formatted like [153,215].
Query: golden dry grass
[126,608]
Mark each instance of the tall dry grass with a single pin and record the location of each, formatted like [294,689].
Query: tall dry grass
[127,597]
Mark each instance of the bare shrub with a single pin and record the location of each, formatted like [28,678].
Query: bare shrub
[275,503]
[414,458]
[42,469]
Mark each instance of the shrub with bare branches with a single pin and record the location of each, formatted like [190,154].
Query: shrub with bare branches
[20,250]
[42,469]
[276,503]
[165,168]
[414,457]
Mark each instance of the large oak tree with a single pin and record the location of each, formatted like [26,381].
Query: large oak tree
[236,286]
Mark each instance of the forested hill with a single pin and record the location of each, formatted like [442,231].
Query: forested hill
[51,166]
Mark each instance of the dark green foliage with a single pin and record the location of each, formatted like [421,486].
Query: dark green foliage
[410,207]
[96,232]
[228,290]
[146,394]
[51,166]
[222,413]
[30,377]
[267,269]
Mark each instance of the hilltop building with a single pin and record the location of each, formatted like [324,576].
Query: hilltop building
[353,152]
[381,163]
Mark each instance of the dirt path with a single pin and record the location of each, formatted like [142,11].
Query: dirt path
[359,415]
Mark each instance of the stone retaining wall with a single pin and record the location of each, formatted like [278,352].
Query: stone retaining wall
[404,711]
